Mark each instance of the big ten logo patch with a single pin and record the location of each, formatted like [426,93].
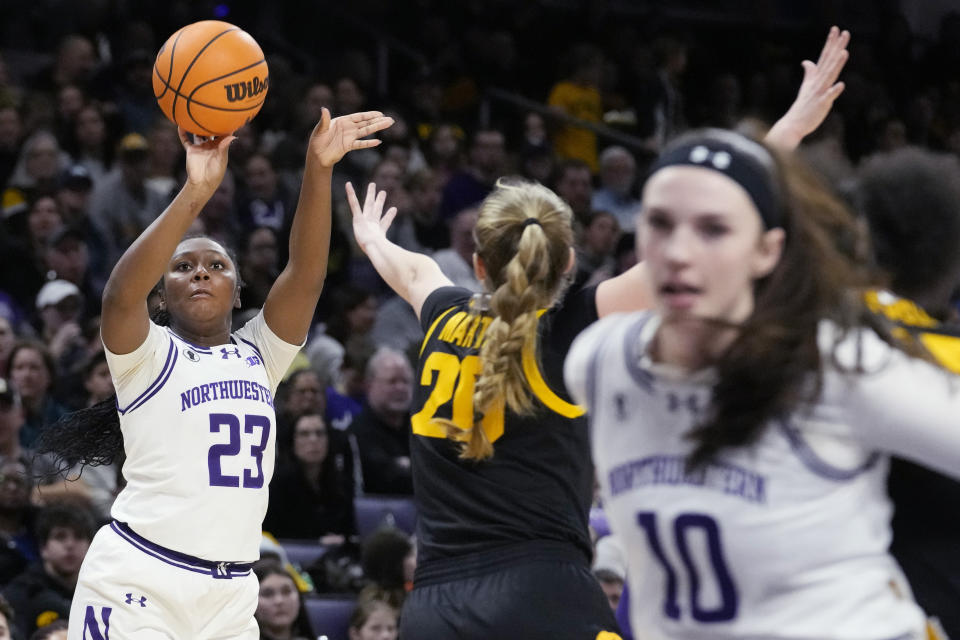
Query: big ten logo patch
[99,629]
[253,361]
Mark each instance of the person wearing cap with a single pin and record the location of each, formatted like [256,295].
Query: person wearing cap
[121,204]
[73,194]
[60,306]
[67,258]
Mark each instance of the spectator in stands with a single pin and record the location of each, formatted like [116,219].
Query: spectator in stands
[60,308]
[92,148]
[64,532]
[573,183]
[260,264]
[595,261]
[457,261]
[578,96]
[32,370]
[382,428]
[18,545]
[353,310]
[75,64]
[444,149]
[424,188]
[311,494]
[8,337]
[121,204]
[40,162]
[612,585]
[280,610]
[73,196]
[218,219]
[56,630]
[618,172]
[67,259]
[164,158]
[265,200]
[470,185]
[373,620]
[389,560]
[11,132]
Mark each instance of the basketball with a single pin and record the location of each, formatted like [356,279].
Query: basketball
[210,78]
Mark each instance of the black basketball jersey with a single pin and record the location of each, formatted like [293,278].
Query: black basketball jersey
[539,483]
[925,526]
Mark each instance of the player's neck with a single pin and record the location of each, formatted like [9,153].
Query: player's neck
[203,336]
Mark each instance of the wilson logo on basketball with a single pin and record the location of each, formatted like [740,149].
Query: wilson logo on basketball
[243,90]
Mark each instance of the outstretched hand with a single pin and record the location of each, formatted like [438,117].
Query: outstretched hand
[370,223]
[206,161]
[817,92]
[333,138]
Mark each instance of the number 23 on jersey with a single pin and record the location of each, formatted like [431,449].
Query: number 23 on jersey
[453,378]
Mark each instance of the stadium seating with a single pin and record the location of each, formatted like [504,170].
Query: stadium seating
[330,617]
[302,553]
[374,512]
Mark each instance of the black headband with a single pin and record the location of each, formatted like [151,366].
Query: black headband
[742,160]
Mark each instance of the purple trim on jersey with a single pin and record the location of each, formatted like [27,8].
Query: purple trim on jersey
[157,387]
[630,343]
[816,464]
[224,570]
[196,347]
[171,355]
[591,382]
[254,347]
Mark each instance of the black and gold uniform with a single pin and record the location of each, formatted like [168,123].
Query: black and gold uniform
[503,544]
[926,526]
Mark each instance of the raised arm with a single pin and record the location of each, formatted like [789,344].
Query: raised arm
[817,92]
[632,290]
[125,320]
[413,276]
[289,306]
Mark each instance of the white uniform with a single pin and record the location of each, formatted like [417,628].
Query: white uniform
[199,434]
[784,539]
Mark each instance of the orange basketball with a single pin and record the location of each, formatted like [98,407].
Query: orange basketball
[210,78]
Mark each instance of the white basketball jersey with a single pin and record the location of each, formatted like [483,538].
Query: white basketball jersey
[199,433]
[784,539]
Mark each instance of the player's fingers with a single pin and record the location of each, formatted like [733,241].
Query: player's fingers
[387,219]
[834,92]
[381,199]
[838,54]
[365,144]
[352,201]
[184,137]
[363,116]
[832,36]
[368,202]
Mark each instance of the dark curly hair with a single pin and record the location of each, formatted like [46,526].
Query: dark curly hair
[910,199]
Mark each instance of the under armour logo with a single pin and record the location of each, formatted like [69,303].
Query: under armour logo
[142,600]
[719,159]
[230,352]
[191,355]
